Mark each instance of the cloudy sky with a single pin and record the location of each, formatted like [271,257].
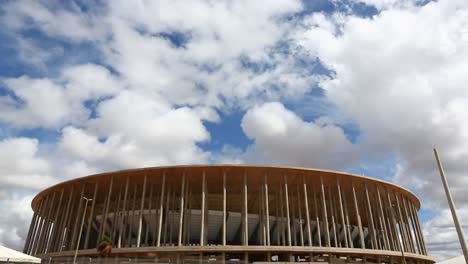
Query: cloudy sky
[363,86]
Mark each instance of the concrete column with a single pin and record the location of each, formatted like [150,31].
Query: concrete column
[52,239]
[33,240]
[186,233]
[416,228]
[116,219]
[172,214]
[301,228]
[288,226]
[91,215]
[317,218]
[224,211]
[293,221]
[161,207]
[332,213]
[306,204]
[203,200]
[261,217]
[106,210]
[150,215]
[66,218]
[282,224]
[343,224]
[393,224]
[77,218]
[404,235]
[371,218]
[348,226]
[358,217]
[384,226]
[45,236]
[246,213]
[32,228]
[142,205]
[188,222]
[325,216]
[379,219]
[277,221]
[181,219]
[413,225]
[131,221]
[123,217]
[267,211]
[40,230]
[74,214]
[167,214]
[408,226]
[155,224]
[416,216]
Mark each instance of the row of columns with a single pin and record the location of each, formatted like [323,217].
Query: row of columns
[333,218]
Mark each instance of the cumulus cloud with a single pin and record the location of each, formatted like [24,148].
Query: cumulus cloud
[21,166]
[166,68]
[43,103]
[387,4]
[71,24]
[215,29]
[132,130]
[23,171]
[52,103]
[13,224]
[196,53]
[282,137]
[441,235]
[401,76]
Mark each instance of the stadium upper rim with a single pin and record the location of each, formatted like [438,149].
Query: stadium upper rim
[50,189]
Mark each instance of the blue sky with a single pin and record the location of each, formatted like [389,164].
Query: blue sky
[361,86]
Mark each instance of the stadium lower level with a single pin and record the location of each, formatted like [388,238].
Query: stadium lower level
[229,213]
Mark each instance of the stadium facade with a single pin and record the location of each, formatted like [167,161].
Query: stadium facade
[229,213]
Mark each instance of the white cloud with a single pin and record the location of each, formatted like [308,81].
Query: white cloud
[14,223]
[441,235]
[387,4]
[51,103]
[281,137]
[44,103]
[134,130]
[216,29]
[206,70]
[20,165]
[401,76]
[147,104]
[69,24]
[23,171]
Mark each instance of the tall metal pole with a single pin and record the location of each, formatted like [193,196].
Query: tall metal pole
[452,206]
[81,229]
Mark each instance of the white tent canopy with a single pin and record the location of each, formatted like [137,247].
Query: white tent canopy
[8,255]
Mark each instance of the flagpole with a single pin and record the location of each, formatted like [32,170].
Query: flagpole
[452,207]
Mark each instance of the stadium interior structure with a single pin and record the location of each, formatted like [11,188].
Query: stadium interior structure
[229,213]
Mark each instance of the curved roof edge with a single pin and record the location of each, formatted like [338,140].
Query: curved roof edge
[49,189]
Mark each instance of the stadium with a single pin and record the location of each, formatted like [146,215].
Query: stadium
[228,213]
